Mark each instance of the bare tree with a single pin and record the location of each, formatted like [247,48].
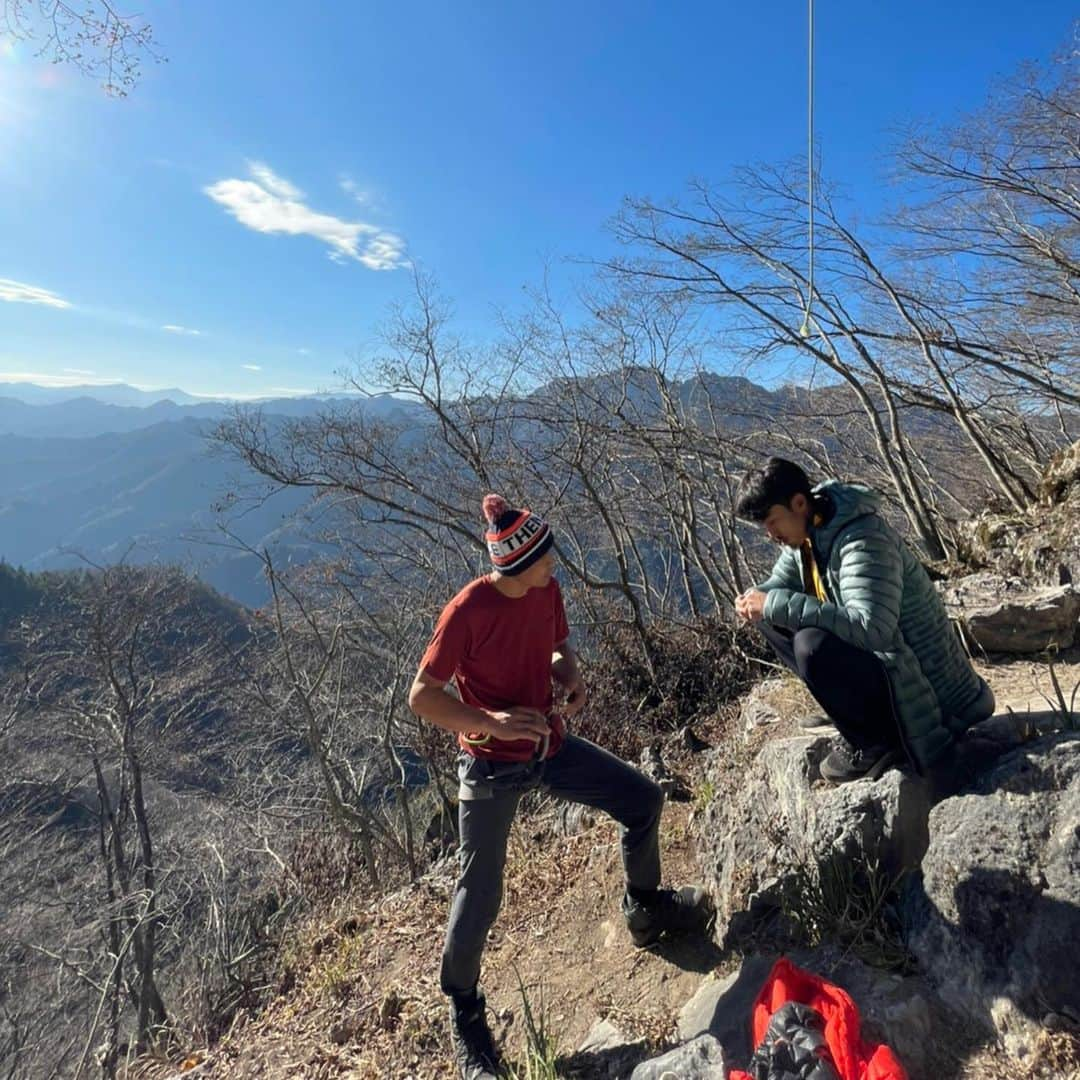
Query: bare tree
[94,37]
[130,670]
[997,226]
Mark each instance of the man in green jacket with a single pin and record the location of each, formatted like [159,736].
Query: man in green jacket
[851,610]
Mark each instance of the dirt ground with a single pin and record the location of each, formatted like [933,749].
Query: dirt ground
[360,997]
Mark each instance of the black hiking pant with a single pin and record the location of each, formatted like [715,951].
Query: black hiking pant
[490,791]
[850,684]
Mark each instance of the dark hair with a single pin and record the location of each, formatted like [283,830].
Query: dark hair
[778,482]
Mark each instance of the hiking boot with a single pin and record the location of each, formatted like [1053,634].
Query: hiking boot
[815,722]
[474,1048]
[849,763]
[687,910]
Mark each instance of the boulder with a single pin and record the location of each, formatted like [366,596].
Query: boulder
[994,919]
[700,1059]
[605,1054]
[722,1008]
[1002,614]
[782,822]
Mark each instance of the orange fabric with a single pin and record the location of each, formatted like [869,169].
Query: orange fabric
[853,1058]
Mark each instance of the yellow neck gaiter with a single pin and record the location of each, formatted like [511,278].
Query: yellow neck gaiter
[810,572]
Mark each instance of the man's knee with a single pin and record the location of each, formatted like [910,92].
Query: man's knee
[811,648]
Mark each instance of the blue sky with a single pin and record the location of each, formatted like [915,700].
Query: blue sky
[240,223]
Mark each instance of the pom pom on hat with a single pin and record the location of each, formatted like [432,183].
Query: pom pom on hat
[494,508]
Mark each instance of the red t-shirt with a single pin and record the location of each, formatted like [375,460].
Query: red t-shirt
[498,651]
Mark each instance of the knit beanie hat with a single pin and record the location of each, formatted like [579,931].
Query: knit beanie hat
[515,538]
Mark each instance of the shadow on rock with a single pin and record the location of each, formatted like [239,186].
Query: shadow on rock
[692,953]
[983,747]
[995,914]
[1011,941]
[610,1063]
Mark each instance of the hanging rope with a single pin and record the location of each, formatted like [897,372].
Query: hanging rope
[804,330]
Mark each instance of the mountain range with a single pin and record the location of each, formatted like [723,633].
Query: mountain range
[101,474]
[84,479]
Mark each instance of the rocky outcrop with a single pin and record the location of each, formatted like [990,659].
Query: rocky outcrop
[783,820]
[1000,614]
[994,921]
[989,909]
[759,709]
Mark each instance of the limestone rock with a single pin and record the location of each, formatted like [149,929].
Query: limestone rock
[700,1059]
[654,766]
[757,708]
[995,919]
[603,1035]
[722,1008]
[781,821]
[1007,615]
[605,1054]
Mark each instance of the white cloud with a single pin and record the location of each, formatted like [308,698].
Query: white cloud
[77,371]
[16,292]
[41,378]
[304,352]
[251,367]
[174,329]
[292,391]
[270,204]
[276,185]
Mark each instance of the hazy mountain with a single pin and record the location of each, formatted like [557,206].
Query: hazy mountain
[88,478]
[147,494]
[110,393]
[82,417]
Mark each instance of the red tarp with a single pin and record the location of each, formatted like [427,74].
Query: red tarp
[853,1058]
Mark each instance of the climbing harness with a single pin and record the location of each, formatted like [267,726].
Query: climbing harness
[804,330]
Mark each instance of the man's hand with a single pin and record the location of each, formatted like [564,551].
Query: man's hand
[750,606]
[575,700]
[517,723]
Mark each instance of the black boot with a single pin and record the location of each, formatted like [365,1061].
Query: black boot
[851,763]
[474,1048]
[815,722]
[688,910]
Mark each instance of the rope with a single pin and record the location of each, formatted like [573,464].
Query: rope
[804,330]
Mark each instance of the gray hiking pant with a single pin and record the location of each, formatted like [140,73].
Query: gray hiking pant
[490,791]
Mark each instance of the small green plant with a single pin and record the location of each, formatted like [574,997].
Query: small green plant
[704,795]
[541,1046]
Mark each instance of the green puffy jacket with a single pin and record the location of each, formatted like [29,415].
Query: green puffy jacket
[882,600]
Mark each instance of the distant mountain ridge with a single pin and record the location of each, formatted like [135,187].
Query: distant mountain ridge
[83,479]
[88,478]
[117,393]
[86,416]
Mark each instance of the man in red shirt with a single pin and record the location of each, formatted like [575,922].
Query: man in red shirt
[504,640]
